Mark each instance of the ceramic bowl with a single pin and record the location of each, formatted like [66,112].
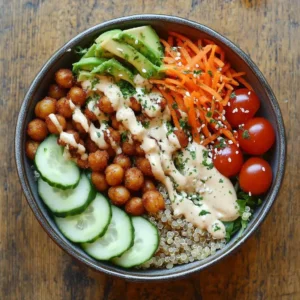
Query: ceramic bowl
[162,24]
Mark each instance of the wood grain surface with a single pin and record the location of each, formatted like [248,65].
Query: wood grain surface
[267,266]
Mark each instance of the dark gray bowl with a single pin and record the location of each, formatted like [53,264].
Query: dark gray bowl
[64,58]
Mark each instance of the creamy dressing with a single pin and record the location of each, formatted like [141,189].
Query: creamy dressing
[80,118]
[56,123]
[216,197]
[69,139]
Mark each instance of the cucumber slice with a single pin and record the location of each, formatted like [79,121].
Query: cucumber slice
[53,167]
[69,202]
[146,240]
[117,239]
[90,224]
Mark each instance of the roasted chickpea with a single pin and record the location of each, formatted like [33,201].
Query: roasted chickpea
[70,125]
[114,123]
[111,152]
[90,115]
[63,107]
[77,95]
[90,145]
[64,78]
[105,105]
[118,195]
[114,174]
[79,127]
[110,133]
[98,160]
[134,179]
[138,149]
[135,206]
[144,165]
[30,148]
[45,107]
[56,92]
[182,137]
[135,105]
[99,181]
[52,127]
[128,148]
[37,130]
[148,185]
[153,201]
[123,161]
[76,137]
[83,164]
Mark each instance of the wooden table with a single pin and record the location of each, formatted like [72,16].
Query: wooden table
[267,266]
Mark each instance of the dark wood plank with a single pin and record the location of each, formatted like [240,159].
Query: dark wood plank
[33,267]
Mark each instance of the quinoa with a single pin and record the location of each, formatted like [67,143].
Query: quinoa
[180,241]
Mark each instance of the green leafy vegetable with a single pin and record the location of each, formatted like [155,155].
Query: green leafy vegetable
[126,88]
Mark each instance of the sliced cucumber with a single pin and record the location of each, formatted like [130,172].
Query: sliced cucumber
[117,239]
[90,224]
[146,240]
[53,167]
[69,202]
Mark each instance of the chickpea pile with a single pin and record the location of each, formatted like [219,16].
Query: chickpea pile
[126,178]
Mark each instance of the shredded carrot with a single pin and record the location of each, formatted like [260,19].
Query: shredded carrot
[199,82]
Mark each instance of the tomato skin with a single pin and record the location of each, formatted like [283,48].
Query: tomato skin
[247,101]
[257,136]
[228,160]
[255,176]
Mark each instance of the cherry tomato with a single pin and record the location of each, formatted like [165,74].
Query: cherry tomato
[242,107]
[228,160]
[257,136]
[255,176]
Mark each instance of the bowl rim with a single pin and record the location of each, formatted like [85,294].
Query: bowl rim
[123,273]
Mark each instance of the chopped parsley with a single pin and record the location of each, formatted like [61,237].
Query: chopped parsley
[98,134]
[221,180]
[222,144]
[204,212]
[193,154]
[146,124]
[246,135]
[210,73]
[94,82]
[175,105]
[216,227]
[124,136]
[126,88]
[184,124]
[197,72]
[232,95]
[80,51]
[170,128]
[209,114]
[205,158]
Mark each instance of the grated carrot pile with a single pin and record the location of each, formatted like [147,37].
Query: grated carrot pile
[200,82]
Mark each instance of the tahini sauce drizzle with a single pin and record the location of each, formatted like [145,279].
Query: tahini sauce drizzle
[219,199]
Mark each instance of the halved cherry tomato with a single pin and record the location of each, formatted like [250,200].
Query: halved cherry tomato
[242,107]
[228,160]
[255,176]
[257,136]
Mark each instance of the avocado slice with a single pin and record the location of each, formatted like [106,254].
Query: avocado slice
[88,63]
[84,75]
[107,35]
[90,52]
[116,69]
[148,36]
[140,46]
[131,55]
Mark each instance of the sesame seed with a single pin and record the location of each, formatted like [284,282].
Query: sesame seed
[177,58]
[188,94]
[242,109]
[250,194]
[237,152]
[179,64]
[197,66]
[249,93]
[228,103]
[230,142]
[144,70]
[229,159]
[246,111]
[264,169]
[120,49]
[235,110]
